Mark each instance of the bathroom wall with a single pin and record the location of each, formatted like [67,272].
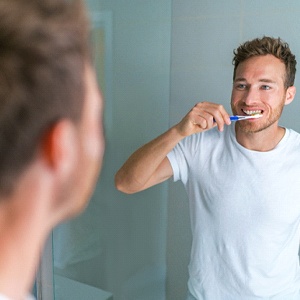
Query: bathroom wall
[204,34]
[119,244]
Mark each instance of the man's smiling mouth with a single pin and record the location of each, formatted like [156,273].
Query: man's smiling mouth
[252,112]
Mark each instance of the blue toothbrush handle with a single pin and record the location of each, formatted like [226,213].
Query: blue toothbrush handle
[237,118]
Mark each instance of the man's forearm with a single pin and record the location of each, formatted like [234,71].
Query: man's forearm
[145,164]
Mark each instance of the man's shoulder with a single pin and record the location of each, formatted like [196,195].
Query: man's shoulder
[292,139]
[293,133]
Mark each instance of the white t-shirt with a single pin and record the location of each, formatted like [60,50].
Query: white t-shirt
[245,216]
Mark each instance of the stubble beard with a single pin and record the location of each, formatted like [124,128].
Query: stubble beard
[247,126]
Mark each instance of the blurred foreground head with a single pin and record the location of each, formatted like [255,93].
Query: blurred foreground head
[50,105]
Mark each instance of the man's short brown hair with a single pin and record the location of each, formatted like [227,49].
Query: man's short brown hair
[43,50]
[268,45]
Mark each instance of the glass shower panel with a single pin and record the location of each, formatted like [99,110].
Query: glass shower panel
[117,248]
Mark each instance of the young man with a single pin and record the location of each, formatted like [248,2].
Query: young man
[51,139]
[242,181]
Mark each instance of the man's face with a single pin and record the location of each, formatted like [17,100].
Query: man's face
[258,87]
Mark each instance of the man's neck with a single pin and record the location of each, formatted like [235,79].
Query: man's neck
[23,229]
[263,141]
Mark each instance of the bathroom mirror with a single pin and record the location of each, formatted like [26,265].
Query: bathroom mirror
[155,59]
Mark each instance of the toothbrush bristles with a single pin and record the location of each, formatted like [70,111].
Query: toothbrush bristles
[256,116]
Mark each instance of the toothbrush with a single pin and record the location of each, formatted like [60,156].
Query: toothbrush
[239,118]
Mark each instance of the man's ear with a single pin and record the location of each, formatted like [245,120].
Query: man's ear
[60,147]
[290,94]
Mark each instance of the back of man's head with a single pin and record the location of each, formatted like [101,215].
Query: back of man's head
[43,50]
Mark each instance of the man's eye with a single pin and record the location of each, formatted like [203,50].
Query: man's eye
[265,87]
[241,86]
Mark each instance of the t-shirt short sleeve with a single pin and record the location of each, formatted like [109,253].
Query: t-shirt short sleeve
[178,163]
[174,165]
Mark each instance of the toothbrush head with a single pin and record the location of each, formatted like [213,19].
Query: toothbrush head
[256,116]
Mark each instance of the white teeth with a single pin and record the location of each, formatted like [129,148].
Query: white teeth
[252,112]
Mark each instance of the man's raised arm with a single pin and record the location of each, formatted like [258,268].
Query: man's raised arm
[149,165]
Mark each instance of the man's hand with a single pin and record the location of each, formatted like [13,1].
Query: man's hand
[203,116]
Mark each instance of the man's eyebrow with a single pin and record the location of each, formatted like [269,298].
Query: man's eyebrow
[267,80]
[240,79]
[260,80]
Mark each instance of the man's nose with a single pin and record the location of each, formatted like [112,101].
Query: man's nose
[251,96]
